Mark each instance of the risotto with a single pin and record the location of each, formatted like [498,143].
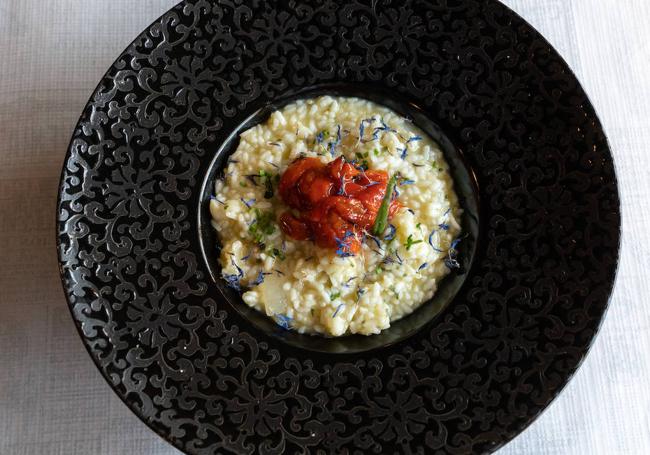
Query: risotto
[380,269]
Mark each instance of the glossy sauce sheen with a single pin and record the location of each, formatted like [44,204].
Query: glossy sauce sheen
[333,203]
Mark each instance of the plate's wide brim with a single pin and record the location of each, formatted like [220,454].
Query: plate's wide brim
[207,380]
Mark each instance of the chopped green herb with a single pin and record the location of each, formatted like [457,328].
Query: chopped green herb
[418,225]
[378,270]
[263,225]
[334,296]
[278,254]
[410,242]
[376,152]
[242,184]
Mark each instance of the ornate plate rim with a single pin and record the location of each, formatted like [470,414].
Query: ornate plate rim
[533,418]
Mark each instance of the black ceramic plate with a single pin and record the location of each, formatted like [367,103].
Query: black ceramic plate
[471,370]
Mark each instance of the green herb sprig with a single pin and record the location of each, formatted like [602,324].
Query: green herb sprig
[410,242]
[381,222]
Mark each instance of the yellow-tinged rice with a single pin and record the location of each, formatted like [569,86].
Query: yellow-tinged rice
[312,288]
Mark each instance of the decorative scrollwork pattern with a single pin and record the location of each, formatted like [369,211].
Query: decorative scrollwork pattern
[195,371]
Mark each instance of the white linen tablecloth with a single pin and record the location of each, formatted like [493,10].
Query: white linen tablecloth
[53,400]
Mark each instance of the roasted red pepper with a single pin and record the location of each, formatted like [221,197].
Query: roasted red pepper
[333,203]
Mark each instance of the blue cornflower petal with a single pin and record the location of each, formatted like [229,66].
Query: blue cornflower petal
[376,240]
[343,245]
[391,233]
[338,309]
[260,279]
[248,203]
[431,241]
[283,321]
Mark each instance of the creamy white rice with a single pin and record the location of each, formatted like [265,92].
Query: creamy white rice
[310,289]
